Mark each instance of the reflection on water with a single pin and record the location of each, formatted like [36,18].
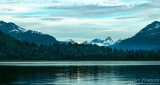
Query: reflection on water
[80,75]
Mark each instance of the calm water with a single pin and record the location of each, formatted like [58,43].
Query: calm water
[80,73]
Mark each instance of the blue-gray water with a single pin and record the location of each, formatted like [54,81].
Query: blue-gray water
[80,73]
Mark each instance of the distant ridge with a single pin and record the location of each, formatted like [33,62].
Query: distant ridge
[108,41]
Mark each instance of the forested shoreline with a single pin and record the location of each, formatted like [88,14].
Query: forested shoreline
[12,49]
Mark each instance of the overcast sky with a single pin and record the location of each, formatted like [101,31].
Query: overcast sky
[81,19]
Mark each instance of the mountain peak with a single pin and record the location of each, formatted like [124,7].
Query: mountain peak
[2,21]
[151,29]
[109,38]
[26,35]
[146,38]
[8,23]
[69,40]
[108,41]
[85,42]
[72,41]
[155,22]
[97,40]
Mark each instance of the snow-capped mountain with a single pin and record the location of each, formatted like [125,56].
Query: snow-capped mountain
[118,41]
[85,42]
[26,35]
[147,38]
[108,41]
[72,41]
[151,29]
[10,27]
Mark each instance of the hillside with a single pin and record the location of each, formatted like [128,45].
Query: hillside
[26,35]
[147,38]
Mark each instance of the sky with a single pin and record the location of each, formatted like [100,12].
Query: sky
[81,20]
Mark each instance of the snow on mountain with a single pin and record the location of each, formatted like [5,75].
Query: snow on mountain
[147,38]
[118,41]
[26,35]
[72,41]
[97,41]
[108,41]
[22,30]
[151,29]
[157,25]
[14,30]
[36,32]
[18,30]
[85,42]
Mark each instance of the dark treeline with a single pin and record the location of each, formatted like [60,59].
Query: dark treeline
[12,49]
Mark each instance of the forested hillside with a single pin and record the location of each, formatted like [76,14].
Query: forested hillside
[12,49]
[7,42]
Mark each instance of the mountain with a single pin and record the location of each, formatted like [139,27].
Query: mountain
[85,42]
[147,38]
[69,41]
[72,41]
[26,35]
[108,41]
[118,41]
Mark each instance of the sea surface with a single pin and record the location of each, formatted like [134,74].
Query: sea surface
[80,73]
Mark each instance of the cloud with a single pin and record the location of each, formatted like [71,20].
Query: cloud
[81,19]
[27,1]
[7,9]
[80,7]
[25,16]
[82,10]
[130,17]
[52,19]
[152,4]
[145,16]
[97,10]
[85,10]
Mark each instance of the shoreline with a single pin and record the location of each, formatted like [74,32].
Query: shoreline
[79,63]
[67,60]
